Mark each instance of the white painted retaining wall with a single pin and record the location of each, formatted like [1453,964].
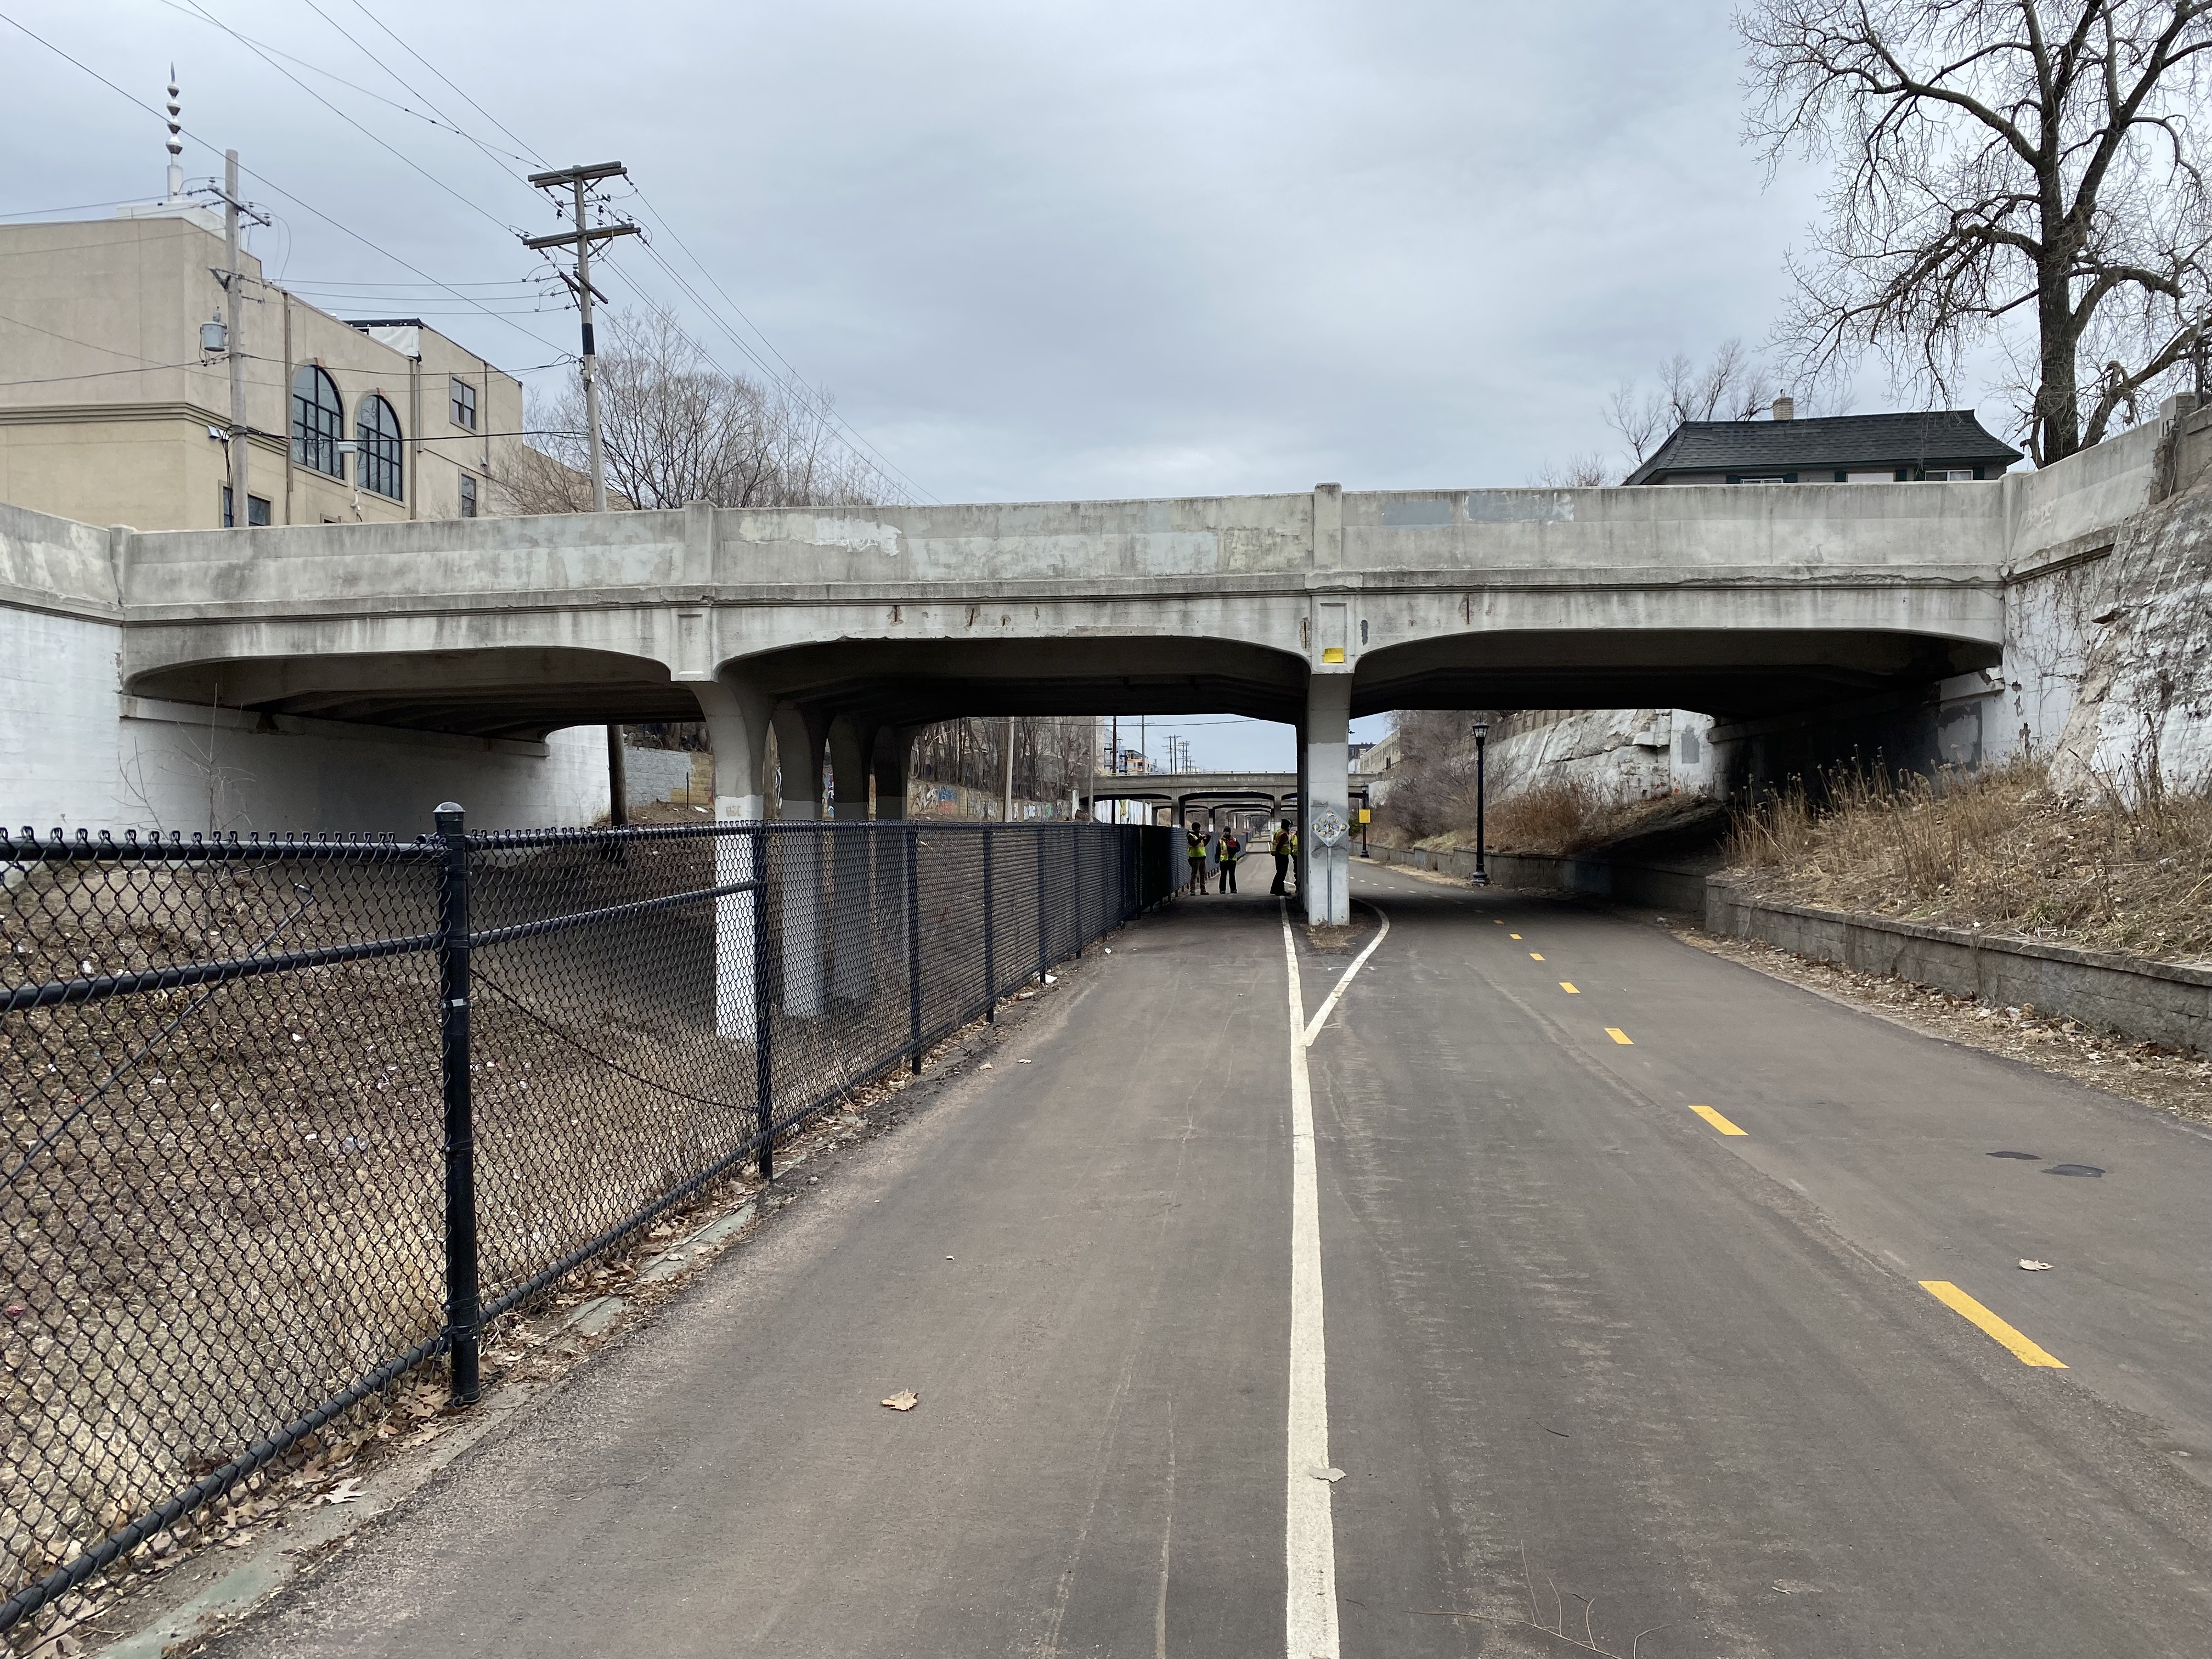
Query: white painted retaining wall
[74,753]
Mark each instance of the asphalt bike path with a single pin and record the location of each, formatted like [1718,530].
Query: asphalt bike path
[1600,1370]
[1431,1318]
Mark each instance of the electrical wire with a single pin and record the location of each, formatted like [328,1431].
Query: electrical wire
[474,207]
[792,375]
[498,159]
[78,207]
[436,119]
[304,206]
[789,377]
[541,162]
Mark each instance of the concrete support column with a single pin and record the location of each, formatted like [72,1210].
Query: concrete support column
[1298,817]
[737,717]
[797,866]
[851,745]
[1325,788]
[893,752]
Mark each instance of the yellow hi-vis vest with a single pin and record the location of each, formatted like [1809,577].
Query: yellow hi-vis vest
[1197,847]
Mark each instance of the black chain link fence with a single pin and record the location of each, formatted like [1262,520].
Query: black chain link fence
[287,1120]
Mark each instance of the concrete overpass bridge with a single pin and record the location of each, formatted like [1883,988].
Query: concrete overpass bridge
[1275,793]
[838,628]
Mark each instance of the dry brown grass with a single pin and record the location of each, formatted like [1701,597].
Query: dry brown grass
[2130,870]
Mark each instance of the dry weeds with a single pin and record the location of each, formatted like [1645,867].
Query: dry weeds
[2130,870]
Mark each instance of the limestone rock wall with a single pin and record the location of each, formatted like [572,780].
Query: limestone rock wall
[2145,693]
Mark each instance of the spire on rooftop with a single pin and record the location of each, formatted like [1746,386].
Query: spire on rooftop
[176,146]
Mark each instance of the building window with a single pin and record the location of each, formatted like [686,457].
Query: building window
[383,463]
[318,421]
[256,510]
[464,404]
[468,495]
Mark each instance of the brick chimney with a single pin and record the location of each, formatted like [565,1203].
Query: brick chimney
[1785,408]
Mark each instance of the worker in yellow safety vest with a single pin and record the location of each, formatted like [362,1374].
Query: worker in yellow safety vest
[1231,850]
[1285,847]
[1194,849]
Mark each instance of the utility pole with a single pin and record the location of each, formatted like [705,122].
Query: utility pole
[237,452]
[581,238]
[241,513]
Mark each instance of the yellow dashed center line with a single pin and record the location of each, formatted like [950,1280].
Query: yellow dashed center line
[1716,1120]
[1619,1036]
[1535,955]
[1510,935]
[1569,989]
[1975,1314]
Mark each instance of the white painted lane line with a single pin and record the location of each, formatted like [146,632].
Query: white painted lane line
[1309,1535]
[1321,1014]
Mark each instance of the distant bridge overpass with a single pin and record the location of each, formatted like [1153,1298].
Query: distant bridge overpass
[838,627]
[1184,793]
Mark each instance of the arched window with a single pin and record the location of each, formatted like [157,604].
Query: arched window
[382,467]
[318,421]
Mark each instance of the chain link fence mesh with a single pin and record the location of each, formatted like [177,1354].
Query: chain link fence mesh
[225,1210]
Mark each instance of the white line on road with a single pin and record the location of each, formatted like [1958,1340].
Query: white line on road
[1309,1540]
[1321,1014]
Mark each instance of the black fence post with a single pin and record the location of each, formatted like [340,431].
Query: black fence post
[914,947]
[990,940]
[463,1294]
[763,1014]
[1045,832]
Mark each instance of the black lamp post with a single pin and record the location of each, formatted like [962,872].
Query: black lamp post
[1482,747]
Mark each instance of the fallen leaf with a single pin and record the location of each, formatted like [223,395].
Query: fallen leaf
[1320,1473]
[904,1401]
[2035,1267]
[987,1065]
[1021,1062]
[345,1491]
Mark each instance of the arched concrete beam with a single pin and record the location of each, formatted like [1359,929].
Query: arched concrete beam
[1713,670]
[517,692]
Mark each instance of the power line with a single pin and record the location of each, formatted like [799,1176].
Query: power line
[822,409]
[497,158]
[264,179]
[448,80]
[825,412]
[372,138]
[76,207]
[435,119]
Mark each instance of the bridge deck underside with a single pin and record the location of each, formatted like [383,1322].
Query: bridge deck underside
[526,692]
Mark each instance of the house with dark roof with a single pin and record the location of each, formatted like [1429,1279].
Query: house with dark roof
[1938,444]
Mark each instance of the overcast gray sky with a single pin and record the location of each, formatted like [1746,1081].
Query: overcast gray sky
[1035,251]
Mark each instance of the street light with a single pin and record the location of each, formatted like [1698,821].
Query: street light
[1481,745]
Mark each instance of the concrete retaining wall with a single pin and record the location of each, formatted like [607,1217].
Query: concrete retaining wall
[657,775]
[2159,1001]
[2164,1002]
[1651,886]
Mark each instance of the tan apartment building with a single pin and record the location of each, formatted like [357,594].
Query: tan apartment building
[110,412]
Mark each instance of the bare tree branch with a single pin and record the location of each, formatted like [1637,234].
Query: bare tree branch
[1982,147]
[676,427]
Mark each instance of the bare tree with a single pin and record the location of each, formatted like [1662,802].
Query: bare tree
[1997,161]
[1588,471]
[677,427]
[1732,385]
